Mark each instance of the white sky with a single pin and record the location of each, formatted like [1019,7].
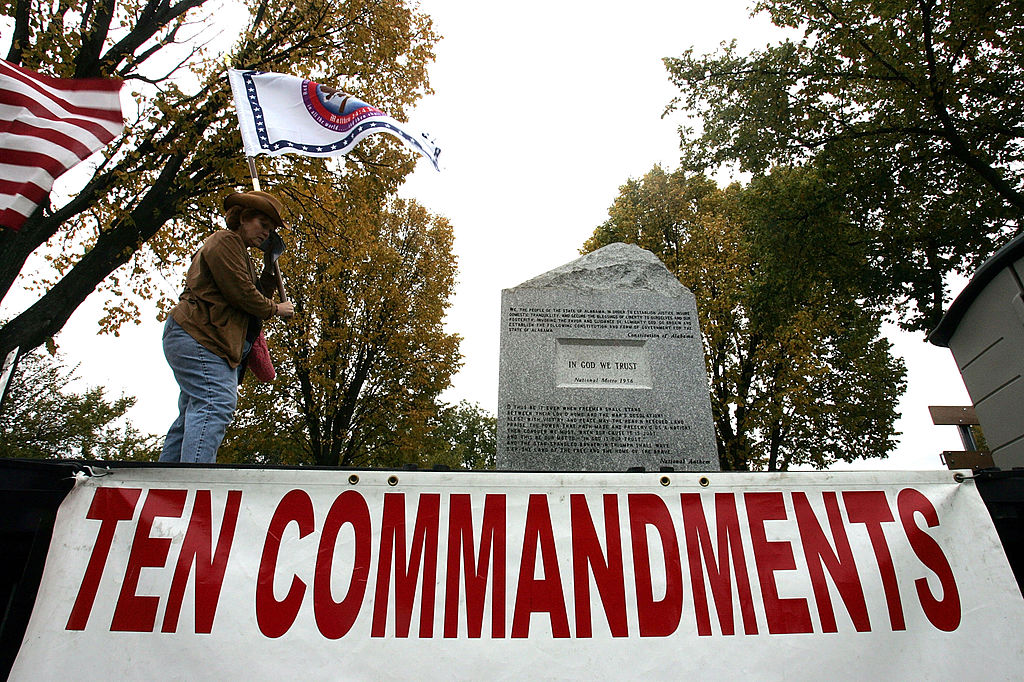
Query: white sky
[542,110]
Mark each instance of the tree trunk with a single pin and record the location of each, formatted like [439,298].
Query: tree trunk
[113,249]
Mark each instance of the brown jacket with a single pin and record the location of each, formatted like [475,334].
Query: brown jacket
[220,294]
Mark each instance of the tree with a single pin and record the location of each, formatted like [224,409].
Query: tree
[908,109]
[153,196]
[462,436]
[797,369]
[43,418]
[363,361]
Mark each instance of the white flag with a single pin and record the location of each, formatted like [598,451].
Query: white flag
[281,114]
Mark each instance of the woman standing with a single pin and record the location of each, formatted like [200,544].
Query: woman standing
[208,333]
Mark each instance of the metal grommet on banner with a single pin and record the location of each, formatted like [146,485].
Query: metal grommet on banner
[353,479]
[960,478]
[665,480]
[704,482]
[392,480]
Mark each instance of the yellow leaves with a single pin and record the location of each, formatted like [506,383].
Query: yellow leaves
[183,139]
[372,275]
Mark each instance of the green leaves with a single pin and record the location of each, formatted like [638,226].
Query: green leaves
[44,418]
[462,436]
[908,111]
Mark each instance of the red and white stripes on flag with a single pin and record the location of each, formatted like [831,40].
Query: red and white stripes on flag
[47,125]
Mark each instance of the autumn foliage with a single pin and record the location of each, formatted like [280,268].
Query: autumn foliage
[363,361]
[798,371]
[153,196]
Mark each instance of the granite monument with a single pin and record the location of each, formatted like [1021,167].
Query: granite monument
[602,369]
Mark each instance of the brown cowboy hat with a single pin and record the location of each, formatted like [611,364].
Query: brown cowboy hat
[261,201]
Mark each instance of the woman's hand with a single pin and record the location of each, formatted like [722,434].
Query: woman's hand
[285,309]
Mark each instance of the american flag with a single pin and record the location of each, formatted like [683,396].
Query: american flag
[47,125]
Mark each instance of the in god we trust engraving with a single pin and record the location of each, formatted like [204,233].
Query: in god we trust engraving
[602,363]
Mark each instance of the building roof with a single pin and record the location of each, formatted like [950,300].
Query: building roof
[1003,258]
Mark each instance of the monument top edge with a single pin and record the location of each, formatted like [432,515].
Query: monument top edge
[616,266]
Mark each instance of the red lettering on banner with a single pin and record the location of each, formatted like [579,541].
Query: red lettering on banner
[335,619]
[134,613]
[719,574]
[656,618]
[392,545]
[276,617]
[587,558]
[109,506]
[492,553]
[784,616]
[545,595]
[210,564]
[714,539]
[839,561]
[942,613]
[871,508]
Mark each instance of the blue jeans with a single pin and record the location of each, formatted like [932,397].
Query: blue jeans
[209,393]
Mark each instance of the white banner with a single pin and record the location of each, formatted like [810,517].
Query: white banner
[217,573]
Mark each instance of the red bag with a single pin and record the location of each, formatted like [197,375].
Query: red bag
[259,360]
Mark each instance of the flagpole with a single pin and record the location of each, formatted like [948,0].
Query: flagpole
[253,173]
[277,268]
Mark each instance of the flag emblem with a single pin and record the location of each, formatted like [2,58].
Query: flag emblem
[335,109]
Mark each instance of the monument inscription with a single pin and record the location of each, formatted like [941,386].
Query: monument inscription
[602,368]
[601,363]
